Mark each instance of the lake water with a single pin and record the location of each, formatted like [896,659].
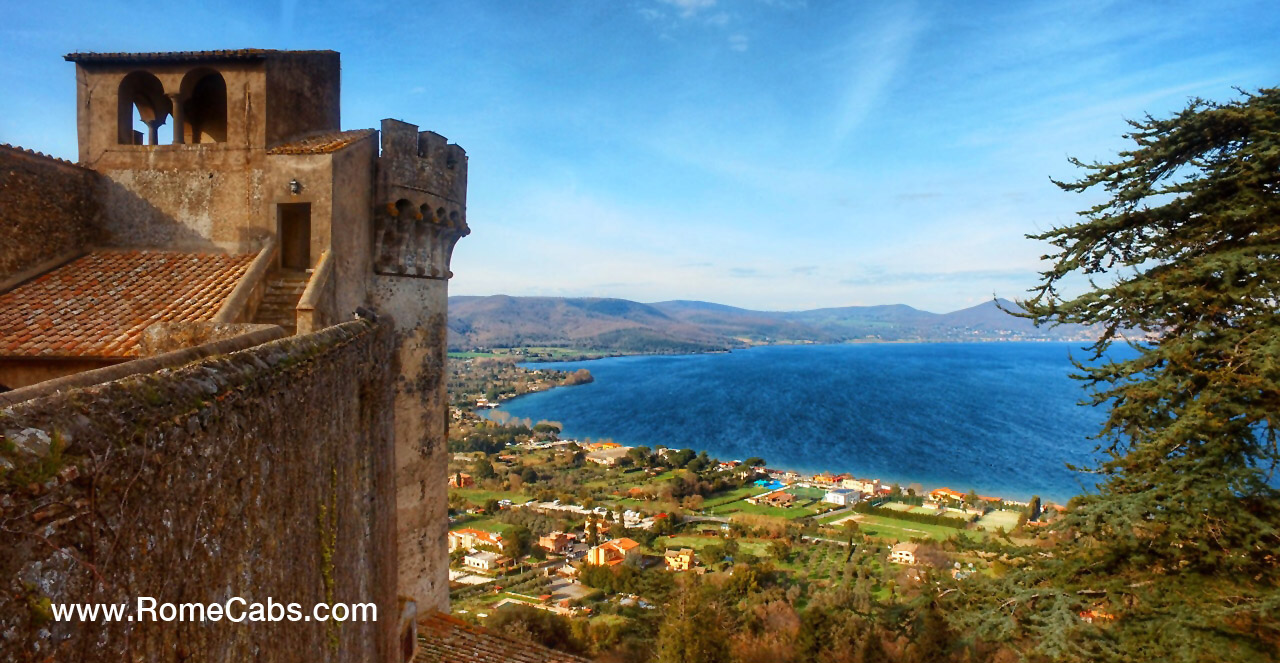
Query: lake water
[1000,418]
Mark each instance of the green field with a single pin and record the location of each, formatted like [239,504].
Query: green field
[743,506]
[902,530]
[479,496]
[757,547]
[482,523]
[734,495]
[808,493]
[827,520]
[997,519]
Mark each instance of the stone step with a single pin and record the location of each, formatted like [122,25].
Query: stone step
[280,298]
[283,299]
[293,289]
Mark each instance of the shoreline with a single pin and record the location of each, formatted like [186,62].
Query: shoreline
[858,341]
[994,488]
[807,473]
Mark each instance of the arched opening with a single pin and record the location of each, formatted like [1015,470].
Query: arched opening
[204,111]
[142,110]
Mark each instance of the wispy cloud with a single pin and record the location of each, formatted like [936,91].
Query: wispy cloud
[879,277]
[916,196]
[739,42]
[688,8]
[869,61]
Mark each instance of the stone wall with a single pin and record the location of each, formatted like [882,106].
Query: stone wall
[418,307]
[47,207]
[420,216]
[303,93]
[262,473]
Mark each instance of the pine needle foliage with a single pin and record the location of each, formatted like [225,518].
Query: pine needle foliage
[1177,555]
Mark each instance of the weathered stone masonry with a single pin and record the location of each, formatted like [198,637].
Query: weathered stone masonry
[56,205]
[263,473]
[216,189]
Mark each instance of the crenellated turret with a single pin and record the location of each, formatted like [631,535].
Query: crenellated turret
[422,188]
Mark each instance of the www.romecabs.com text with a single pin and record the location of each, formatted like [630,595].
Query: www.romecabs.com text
[234,609]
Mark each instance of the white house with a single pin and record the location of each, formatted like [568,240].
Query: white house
[842,496]
[904,553]
[484,561]
[868,486]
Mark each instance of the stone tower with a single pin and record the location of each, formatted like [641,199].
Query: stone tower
[241,152]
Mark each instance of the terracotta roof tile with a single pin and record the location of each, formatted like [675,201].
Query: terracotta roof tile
[446,639]
[182,56]
[324,143]
[40,155]
[97,305]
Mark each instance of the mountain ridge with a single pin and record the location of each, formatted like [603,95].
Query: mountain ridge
[621,325]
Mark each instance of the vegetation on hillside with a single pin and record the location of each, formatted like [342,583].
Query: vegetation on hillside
[618,326]
[1178,555]
[1175,558]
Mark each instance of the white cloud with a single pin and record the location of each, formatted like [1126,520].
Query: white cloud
[689,8]
[739,42]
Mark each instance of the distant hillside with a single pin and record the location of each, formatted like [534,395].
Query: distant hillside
[585,323]
[620,325]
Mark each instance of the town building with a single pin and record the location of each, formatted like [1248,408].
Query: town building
[941,494]
[609,456]
[903,553]
[485,560]
[612,553]
[679,560]
[842,496]
[461,480]
[778,498]
[469,539]
[556,543]
[866,486]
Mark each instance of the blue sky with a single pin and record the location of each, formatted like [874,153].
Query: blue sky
[771,154]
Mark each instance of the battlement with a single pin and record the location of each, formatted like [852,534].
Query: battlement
[415,162]
[422,191]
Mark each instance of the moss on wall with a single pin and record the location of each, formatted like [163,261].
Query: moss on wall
[263,473]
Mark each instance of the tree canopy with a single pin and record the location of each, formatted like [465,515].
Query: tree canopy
[1176,556]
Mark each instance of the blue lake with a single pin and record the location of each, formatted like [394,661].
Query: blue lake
[1000,418]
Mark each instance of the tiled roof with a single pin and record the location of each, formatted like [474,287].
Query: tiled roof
[97,305]
[446,639]
[623,544]
[487,537]
[181,56]
[39,155]
[324,143]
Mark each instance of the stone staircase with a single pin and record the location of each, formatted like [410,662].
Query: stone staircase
[280,299]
